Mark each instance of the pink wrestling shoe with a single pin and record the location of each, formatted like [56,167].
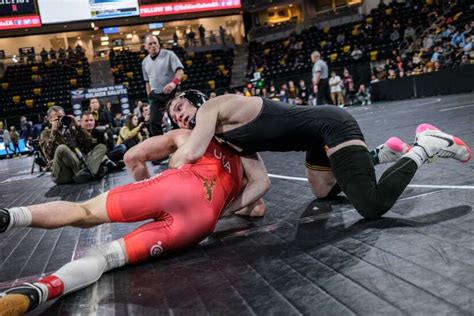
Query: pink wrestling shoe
[391,150]
[439,144]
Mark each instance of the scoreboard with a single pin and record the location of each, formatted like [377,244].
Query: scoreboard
[15,14]
[163,7]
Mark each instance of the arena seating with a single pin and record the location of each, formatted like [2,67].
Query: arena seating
[203,70]
[371,35]
[27,89]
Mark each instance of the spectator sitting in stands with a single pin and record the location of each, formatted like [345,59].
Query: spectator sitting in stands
[458,39]
[409,34]
[138,108]
[468,45]
[145,119]
[363,95]
[103,121]
[118,121]
[130,133]
[114,158]
[465,60]
[58,144]
[283,95]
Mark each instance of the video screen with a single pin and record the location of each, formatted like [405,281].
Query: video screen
[18,14]
[165,7]
[52,11]
[108,9]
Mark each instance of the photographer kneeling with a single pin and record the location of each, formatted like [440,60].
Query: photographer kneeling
[70,150]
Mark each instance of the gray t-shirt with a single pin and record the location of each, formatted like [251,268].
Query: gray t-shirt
[160,71]
[322,67]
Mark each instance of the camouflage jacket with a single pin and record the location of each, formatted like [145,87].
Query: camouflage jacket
[50,140]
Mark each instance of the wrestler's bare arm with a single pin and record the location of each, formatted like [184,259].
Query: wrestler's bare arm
[201,136]
[154,148]
[258,183]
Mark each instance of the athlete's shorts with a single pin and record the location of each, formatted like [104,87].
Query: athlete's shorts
[335,127]
[175,201]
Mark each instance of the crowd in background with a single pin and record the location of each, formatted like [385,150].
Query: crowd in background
[342,88]
[443,46]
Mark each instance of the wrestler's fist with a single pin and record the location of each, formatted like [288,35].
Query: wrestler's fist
[257,209]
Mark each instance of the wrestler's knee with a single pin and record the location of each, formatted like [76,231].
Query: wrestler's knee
[372,209]
[107,256]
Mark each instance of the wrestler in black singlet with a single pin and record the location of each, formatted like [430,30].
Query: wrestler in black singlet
[283,127]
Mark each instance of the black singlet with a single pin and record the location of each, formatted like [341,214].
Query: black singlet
[284,127]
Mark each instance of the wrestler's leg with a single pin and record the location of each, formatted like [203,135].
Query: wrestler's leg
[322,183]
[71,277]
[319,173]
[57,214]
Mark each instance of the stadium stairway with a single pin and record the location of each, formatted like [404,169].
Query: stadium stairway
[240,65]
[101,75]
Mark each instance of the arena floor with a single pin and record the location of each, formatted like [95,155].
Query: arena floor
[305,256]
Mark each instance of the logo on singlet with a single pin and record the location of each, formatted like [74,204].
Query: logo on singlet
[224,161]
[156,249]
[208,186]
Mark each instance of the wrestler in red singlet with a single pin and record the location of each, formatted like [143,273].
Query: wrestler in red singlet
[184,203]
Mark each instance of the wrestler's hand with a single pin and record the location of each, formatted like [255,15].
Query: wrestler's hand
[176,160]
[169,88]
[257,209]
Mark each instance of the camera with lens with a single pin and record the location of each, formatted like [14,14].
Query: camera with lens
[65,120]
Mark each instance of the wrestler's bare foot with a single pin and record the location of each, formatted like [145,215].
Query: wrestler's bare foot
[257,209]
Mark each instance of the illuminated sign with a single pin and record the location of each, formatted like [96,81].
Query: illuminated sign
[153,9]
[19,22]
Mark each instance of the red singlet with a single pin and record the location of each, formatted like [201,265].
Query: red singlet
[184,203]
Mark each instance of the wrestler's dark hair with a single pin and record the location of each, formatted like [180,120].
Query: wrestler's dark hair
[195,97]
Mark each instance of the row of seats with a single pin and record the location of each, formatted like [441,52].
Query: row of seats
[372,36]
[32,88]
[203,70]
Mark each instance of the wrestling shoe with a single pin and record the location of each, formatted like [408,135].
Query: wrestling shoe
[4,220]
[436,143]
[391,150]
[20,299]
[14,304]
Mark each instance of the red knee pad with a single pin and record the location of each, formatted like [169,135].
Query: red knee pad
[55,286]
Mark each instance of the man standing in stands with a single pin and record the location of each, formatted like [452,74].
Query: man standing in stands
[320,79]
[162,71]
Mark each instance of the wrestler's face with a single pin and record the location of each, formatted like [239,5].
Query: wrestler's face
[182,111]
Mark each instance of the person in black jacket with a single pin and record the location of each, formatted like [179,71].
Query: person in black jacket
[103,121]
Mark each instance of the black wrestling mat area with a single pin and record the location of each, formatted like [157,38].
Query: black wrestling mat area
[304,257]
